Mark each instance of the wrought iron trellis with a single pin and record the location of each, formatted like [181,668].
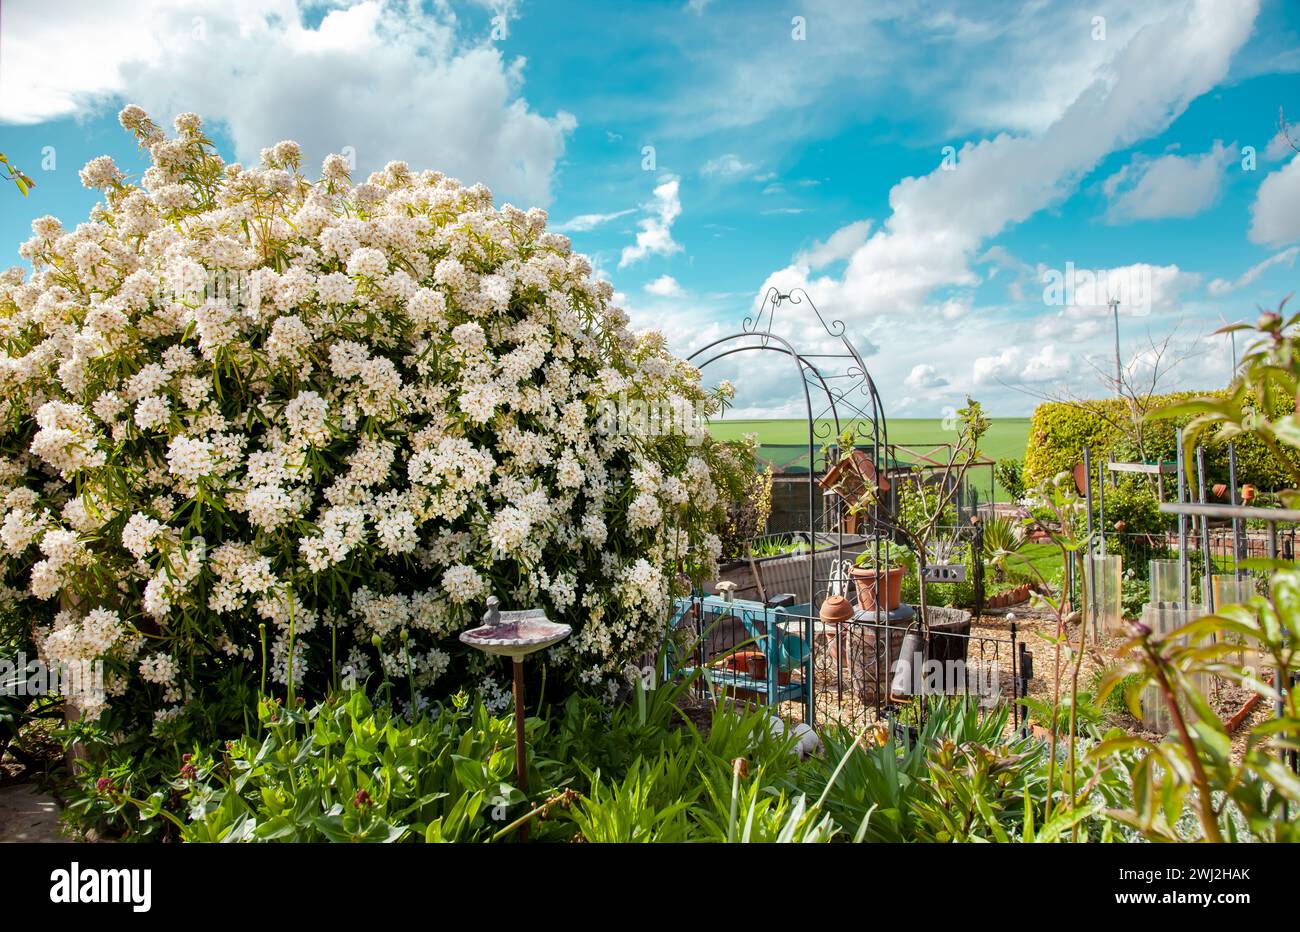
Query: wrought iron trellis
[839,396]
[840,378]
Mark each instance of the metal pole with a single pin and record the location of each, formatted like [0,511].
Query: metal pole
[1089,570]
[521,752]
[1119,378]
[1184,570]
[1207,565]
[1101,506]
[1279,706]
[1238,527]
[1015,680]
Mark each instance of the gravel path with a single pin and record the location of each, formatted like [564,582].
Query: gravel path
[27,815]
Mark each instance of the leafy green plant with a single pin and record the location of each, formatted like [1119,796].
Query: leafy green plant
[887,553]
[12,173]
[1010,474]
[1195,765]
[1002,535]
[1058,432]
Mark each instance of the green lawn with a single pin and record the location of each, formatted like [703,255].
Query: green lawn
[1007,437]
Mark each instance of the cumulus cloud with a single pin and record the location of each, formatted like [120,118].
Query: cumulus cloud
[665,286]
[1168,186]
[1275,214]
[1014,364]
[1140,288]
[924,375]
[1221,286]
[655,236]
[940,220]
[389,80]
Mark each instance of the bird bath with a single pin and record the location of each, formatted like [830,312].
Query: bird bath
[516,635]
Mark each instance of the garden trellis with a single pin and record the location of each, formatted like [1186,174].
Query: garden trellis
[784,618]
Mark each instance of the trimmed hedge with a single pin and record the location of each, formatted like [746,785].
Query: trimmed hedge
[1058,432]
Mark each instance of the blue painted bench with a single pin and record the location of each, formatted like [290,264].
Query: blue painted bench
[782,634]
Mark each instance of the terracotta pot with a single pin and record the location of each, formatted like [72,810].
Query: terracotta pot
[752,663]
[1080,478]
[835,610]
[869,588]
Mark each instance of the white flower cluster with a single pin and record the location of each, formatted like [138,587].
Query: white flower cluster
[393,400]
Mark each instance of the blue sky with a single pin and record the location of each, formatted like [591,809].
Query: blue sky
[793,145]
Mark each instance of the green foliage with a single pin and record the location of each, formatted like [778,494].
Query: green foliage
[349,770]
[1088,713]
[748,504]
[1195,766]
[12,173]
[1258,408]
[890,554]
[1002,535]
[1009,473]
[1059,431]
[1133,522]
[1134,592]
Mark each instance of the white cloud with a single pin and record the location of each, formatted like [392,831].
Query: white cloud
[1221,286]
[585,222]
[656,234]
[665,286]
[1016,365]
[389,80]
[940,220]
[1275,214]
[726,166]
[1278,148]
[841,244]
[923,375]
[1140,288]
[1168,186]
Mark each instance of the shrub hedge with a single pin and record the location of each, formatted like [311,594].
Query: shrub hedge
[1058,432]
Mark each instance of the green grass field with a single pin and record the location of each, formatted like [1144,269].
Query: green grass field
[1006,437]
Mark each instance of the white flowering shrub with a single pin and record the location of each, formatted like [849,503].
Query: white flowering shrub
[246,414]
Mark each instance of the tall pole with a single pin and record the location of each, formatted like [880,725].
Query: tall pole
[521,749]
[1119,378]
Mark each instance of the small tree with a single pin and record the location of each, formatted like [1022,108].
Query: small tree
[929,509]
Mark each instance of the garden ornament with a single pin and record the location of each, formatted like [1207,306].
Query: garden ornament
[516,634]
[908,670]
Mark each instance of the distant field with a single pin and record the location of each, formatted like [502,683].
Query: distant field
[1007,436]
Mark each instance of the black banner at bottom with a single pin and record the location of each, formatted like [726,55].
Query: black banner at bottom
[341,882]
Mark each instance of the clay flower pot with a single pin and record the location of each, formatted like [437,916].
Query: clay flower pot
[835,610]
[869,588]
